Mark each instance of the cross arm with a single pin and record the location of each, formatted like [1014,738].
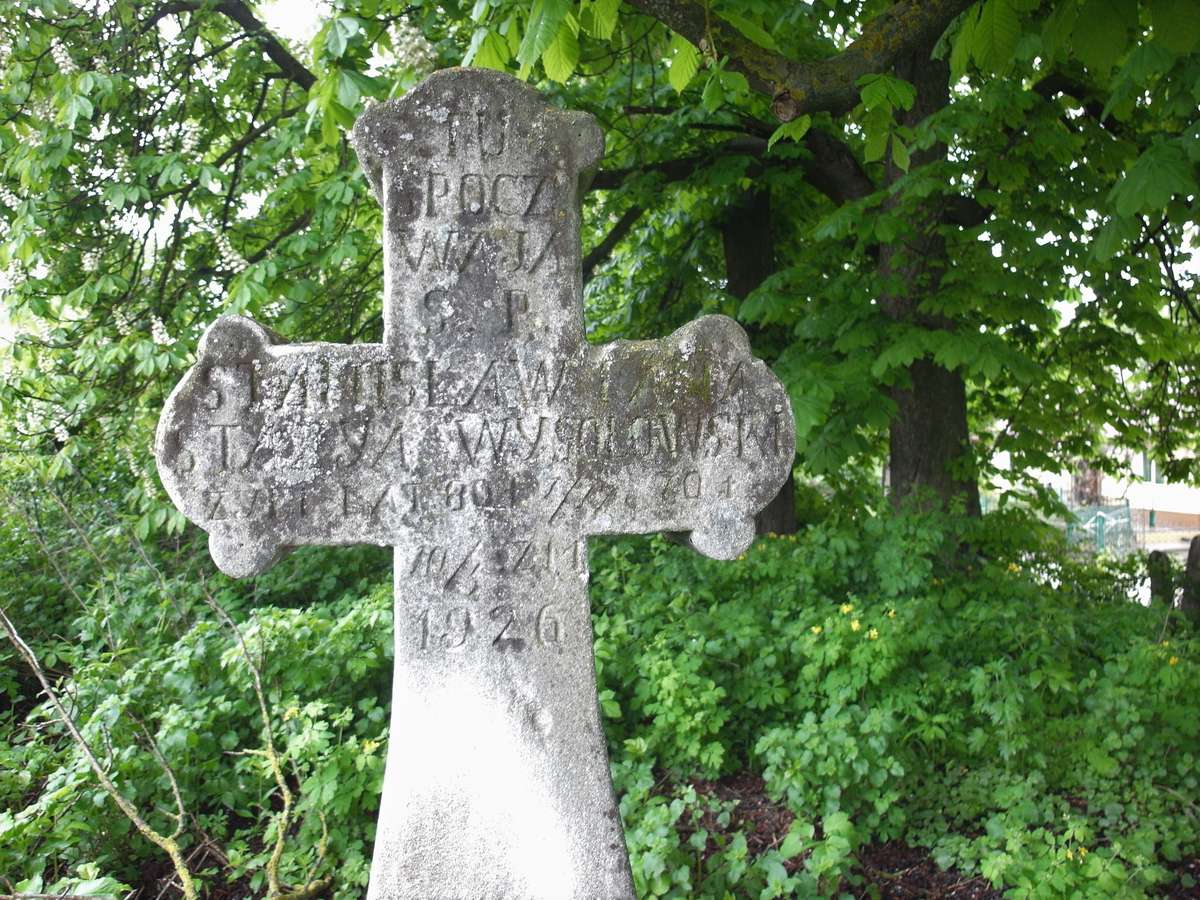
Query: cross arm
[694,434]
[263,443]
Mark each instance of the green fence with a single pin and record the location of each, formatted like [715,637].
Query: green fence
[1103,528]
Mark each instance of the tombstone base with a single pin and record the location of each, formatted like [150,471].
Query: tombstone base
[497,771]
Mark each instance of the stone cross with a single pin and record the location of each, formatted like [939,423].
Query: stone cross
[484,440]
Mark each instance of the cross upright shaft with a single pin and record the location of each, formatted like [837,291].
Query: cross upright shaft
[484,440]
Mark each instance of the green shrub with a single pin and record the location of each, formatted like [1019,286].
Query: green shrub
[1004,705]
[965,686]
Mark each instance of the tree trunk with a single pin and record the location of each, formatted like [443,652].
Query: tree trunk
[749,259]
[930,441]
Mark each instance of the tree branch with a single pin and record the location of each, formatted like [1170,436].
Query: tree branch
[681,167]
[240,13]
[167,844]
[254,134]
[825,85]
[276,52]
[1057,83]
[601,251]
[833,169]
[830,166]
[966,212]
[301,221]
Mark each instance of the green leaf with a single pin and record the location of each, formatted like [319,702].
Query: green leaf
[609,705]
[713,96]
[511,36]
[544,21]
[78,106]
[995,35]
[347,90]
[793,130]
[877,127]
[876,145]
[329,128]
[477,38]
[99,887]
[685,62]
[341,30]
[1101,762]
[493,53]
[887,93]
[750,29]
[1158,174]
[1102,33]
[1176,24]
[797,840]
[1059,25]
[488,50]
[900,153]
[734,84]
[1112,237]
[562,56]
[605,13]
[960,55]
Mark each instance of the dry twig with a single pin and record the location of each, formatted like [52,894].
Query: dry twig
[167,844]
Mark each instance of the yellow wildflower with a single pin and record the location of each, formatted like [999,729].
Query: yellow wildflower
[855,625]
[873,634]
[1014,568]
[846,608]
[1070,853]
[816,629]
[891,614]
[1083,851]
[370,747]
[1173,661]
[292,712]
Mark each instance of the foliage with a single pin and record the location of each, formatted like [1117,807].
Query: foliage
[1005,706]
[166,163]
[1014,713]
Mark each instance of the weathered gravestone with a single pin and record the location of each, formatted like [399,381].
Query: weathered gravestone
[484,440]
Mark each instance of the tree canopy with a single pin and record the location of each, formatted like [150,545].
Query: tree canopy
[955,228]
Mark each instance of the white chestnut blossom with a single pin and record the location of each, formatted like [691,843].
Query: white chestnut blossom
[159,333]
[189,139]
[124,322]
[62,58]
[412,49]
[229,257]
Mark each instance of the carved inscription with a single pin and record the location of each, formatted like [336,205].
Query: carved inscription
[503,628]
[459,569]
[510,195]
[316,383]
[309,437]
